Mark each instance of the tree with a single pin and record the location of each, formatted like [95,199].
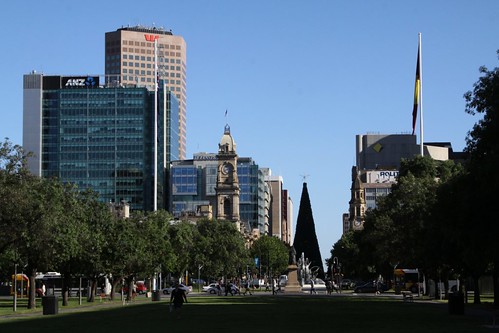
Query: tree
[223,248]
[272,252]
[93,261]
[483,148]
[183,237]
[400,231]
[14,183]
[346,249]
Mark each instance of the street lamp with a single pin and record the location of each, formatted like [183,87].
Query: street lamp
[199,277]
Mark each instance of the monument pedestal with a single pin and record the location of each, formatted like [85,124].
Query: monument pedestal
[292,286]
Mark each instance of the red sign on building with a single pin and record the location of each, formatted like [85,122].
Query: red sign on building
[151,38]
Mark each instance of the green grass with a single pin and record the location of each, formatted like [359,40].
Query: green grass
[252,314]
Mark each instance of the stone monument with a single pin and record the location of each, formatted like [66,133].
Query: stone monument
[292,286]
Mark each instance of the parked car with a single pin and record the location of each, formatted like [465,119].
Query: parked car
[283,280]
[347,284]
[370,287]
[319,285]
[198,281]
[186,289]
[214,288]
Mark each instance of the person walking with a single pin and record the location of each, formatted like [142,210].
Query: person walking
[247,288]
[177,299]
[312,287]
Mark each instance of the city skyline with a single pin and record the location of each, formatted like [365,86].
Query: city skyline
[299,81]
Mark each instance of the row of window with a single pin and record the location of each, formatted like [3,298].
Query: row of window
[130,110]
[144,44]
[96,122]
[74,142]
[161,53]
[120,155]
[150,59]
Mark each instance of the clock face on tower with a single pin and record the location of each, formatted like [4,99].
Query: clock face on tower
[226,168]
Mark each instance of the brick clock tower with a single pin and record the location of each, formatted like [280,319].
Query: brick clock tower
[227,188]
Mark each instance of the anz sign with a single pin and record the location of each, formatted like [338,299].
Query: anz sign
[80,82]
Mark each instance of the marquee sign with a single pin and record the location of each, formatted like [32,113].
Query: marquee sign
[80,82]
[382,176]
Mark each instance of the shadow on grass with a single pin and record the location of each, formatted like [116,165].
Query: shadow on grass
[255,314]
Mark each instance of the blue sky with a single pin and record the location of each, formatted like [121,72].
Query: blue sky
[299,78]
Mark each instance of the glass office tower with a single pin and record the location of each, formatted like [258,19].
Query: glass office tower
[100,137]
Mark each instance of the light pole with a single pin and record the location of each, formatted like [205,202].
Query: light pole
[199,276]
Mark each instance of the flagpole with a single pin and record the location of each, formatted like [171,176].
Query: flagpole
[155,185]
[421,140]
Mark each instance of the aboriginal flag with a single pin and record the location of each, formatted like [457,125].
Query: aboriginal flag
[417,92]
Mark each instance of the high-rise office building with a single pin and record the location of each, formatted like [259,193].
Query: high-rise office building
[130,61]
[101,137]
[280,214]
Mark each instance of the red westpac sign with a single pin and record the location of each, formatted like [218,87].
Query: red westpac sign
[151,38]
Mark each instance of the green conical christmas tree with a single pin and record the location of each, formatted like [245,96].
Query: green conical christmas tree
[305,237]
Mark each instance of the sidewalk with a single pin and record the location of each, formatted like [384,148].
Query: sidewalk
[86,306]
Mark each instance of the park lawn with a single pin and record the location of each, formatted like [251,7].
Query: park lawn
[256,314]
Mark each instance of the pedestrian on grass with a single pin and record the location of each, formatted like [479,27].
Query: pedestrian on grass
[247,288]
[177,299]
[312,287]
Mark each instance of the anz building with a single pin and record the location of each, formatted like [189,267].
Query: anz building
[106,138]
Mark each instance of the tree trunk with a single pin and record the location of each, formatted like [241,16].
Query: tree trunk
[66,283]
[114,283]
[131,291]
[91,294]
[32,289]
[476,292]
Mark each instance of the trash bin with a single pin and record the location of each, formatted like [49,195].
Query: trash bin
[456,303]
[50,305]
[156,296]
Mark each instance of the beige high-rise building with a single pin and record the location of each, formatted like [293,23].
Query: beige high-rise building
[130,61]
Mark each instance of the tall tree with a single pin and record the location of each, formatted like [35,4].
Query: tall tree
[305,240]
[223,247]
[272,252]
[483,147]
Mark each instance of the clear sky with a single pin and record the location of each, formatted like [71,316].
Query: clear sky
[299,78]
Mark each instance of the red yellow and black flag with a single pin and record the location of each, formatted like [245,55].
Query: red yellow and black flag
[417,91]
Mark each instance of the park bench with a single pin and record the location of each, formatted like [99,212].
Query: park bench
[407,296]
